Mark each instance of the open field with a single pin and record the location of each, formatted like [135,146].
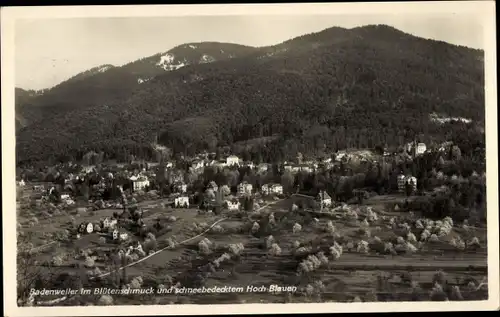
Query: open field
[354,273]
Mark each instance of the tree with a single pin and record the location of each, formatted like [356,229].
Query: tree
[225,190]
[29,272]
[287,180]
[248,204]
[456,154]
[408,188]
[55,196]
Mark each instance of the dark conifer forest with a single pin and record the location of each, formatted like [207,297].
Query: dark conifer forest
[315,94]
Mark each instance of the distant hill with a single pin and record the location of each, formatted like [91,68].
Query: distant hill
[320,92]
[107,83]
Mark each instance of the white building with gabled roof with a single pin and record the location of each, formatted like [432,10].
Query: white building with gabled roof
[181,201]
[232,160]
[139,182]
[324,199]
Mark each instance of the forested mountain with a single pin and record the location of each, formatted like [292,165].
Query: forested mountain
[320,92]
[106,83]
[23,99]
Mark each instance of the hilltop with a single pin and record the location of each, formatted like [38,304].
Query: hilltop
[330,90]
[107,83]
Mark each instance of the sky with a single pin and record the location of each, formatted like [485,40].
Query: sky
[49,51]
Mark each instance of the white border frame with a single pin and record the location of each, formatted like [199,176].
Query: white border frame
[486,9]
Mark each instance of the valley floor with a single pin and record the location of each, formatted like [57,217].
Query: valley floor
[354,274]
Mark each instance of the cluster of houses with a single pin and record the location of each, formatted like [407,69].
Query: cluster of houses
[140,180]
[201,161]
[107,227]
[416,149]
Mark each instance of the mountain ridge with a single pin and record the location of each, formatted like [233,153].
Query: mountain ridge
[303,91]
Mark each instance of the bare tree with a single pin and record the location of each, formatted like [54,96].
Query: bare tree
[29,271]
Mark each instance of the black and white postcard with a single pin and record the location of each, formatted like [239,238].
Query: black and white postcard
[279,158]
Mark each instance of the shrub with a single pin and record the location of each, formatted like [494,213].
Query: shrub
[57,260]
[170,243]
[204,247]
[433,238]
[255,227]
[448,221]
[471,286]
[269,242]
[80,210]
[362,247]
[102,240]
[322,258]
[458,243]
[309,290]
[296,244]
[474,242]
[272,220]
[351,214]
[456,294]
[222,258]
[336,250]
[89,262]
[310,264]
[330,228]
[364,232]
[133,257]
[388,247]
[437,293]
[236,248]
[425,235]
[418,224]
[150,245]
[350,245]
[365,224]
[275,250]
[371,296]
[217,229]
[136,283]
[410,248]
[411,237]
[439,278]
[296,228]
[301,250]
[444,229]
[371,215]
[105,300]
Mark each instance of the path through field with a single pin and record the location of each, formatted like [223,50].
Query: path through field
[165,248]
[179,243]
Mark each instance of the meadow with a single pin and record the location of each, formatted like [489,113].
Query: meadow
[348,253]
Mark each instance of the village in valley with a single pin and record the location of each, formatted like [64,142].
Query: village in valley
[409,222]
